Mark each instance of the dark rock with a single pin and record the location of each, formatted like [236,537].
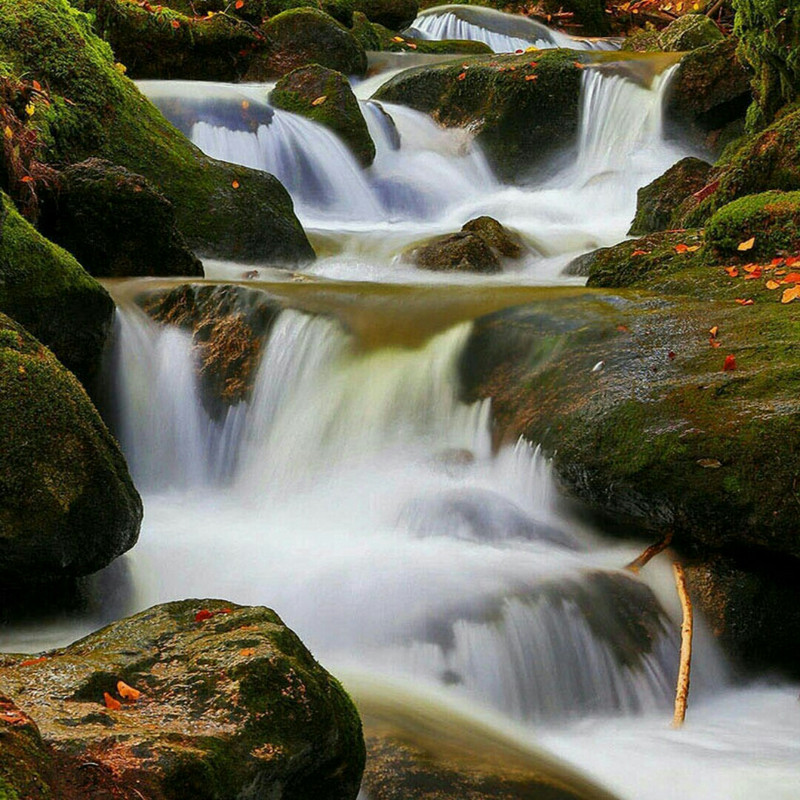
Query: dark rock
[657,202]
[392,14]
[303,36]
[519,123]
[45,289]
[590,15]
[581,266]
[505,242]
[67,504]
[325,96]
[232,705]
[458,252]
[116,223]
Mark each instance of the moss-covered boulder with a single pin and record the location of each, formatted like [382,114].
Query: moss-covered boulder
[657,202]
[772,219]
[45,289]
[303,36]
[89,109]
[456,252]
[689,32]
[67,504]
[376,37]
[769,36]
[522,107]
[503,241]
[392,14]
[709,91]
[232,704]
[116,223]
[159,42]
[229,327]
[325,96]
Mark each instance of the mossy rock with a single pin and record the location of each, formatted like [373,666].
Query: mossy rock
[771,218]
[456,252]
[67,504]
[116,223]
[45,289]
[223,210]
[689,32]
[657,202]
[642,41]
[303,36]
[392,14]
[378,38]
[710,90]
[158,42]
[230,704]
[256,12]
[523,108]
[325,96]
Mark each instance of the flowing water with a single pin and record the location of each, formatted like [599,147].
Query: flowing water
[358,494]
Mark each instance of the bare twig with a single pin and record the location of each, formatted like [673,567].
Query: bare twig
[649,553]
[682,690]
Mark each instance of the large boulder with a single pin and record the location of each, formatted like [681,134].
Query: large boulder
[45,289]
[67,504]
[689,32]
[89,108]
[232,705]
[116,223]
[456,252]
[522,107]
[325,96]
[304,36]
[657,202]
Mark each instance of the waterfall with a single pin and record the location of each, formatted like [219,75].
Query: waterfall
[504,33]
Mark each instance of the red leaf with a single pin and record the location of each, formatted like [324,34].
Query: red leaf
[462,76]
[671,355]
[730,364]
[732,271]
[203,615]
[239,4]
[706,190]
[32,661]
[742,302]
[175,24]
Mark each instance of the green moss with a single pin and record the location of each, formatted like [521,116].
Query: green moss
[96,111]
[772,218]
[689,32]
[374,36]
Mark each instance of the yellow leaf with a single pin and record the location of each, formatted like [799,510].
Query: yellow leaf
[693,249]
[792,293]
[320,100]
[128,692]
[748,245]
[398,39]
[772,284]
[714,330]
[235,184]
[30,109]
[248,651]
[121,68]
[8,132]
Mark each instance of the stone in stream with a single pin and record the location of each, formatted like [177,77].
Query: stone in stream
[92,109]
[67,504]
[116,223]
[325,96]
[232,705]
[45,289]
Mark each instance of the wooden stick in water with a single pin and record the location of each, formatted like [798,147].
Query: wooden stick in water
[682,690]
[651,551]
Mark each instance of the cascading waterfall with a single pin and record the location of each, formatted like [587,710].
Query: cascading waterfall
[504,33]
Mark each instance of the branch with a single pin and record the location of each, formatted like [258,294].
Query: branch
[651,551]
[682,689]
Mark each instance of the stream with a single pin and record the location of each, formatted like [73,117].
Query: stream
[359,496]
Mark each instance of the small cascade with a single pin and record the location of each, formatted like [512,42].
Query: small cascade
[504,33]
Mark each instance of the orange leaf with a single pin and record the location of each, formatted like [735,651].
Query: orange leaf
[31,661]
[398,39]
[792,293]
[462,76]
[578,64]
[319,100]
[202,615]
[756,273]
[730,364]
[238,4]
[623,328]
[26,179]
[411,45]
[128,692]
[638,253]
[248,651]
[790,262]
[175,24]
[772,285]
[792,277]
[748,245]
[531,77]
[235,184]
[742,302]
[780,271]
[111,702]
[776,262]
[37,86]
[713,342]
[681,248]
[714,331]
[732,271]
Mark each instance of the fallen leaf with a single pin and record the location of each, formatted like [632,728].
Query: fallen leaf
[706,191]
[622,328]
[732,271]
[26,179]
[203,615]
[31,661]
[111,702]
[398,39]
[8,132]
[638,253]
[223,611]
[30,109]
[748,245]
[37,86]
[753,275]
[319,100]
[247,628]
[792,277]
[709,463]
[128,692]
[792,260]
[776,262]
[681,248]
[462,76]
[792,293]
[742,302]
[780,272]
[239,4]
[751,267]
[578,64]
[248,651]
[714,331]
[772,285]
[693,249]
[245,105]
[671,355]
[531,77]
[714,342]
[175,24]
[411,45]
[730,364]
[235,184]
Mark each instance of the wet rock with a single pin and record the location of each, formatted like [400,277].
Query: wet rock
[505,242]
[657,202]
[67,504]
[325,96]
[689,32]
[116,223]
[392,14]
[44,288]
[229,327]
[378,38]
[303,36]
[232,704]
[458,252]
[522,109]
[709,91]
[223,210]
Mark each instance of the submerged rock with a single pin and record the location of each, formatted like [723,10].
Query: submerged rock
[67,504]
[497,236]
[657,202]
[232,704]
[116,223]
[303,36]
[325,96]
[92,109]
[45,289]
[523,108]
